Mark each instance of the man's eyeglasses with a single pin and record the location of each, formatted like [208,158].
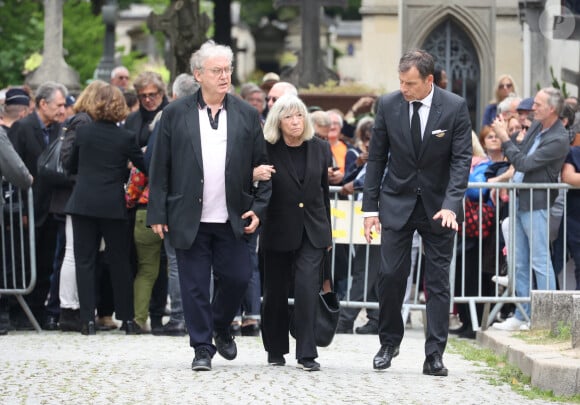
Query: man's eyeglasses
[228,70]
[271,98]
[123,77]
[505,86]
[145,96]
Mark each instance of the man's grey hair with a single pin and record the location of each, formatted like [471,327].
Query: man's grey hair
[118,70]
[320,118]
[506,103]
[286,87]
[184,85]
[147,78]
[47,91]
[208,50]
[555,99]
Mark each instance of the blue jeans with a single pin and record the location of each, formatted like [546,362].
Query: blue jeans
[173,283]
[532,233]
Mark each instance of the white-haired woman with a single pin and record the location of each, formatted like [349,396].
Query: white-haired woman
[297,231]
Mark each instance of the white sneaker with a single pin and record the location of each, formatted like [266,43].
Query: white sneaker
[501,280]
[510,324]
[525,326]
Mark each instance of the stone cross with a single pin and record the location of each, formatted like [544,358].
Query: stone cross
[310,68]
[53,66]
[185,28]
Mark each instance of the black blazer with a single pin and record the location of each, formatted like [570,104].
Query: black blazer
[99,158]
[176,180]
[297,208]
[28,140]
[439,174]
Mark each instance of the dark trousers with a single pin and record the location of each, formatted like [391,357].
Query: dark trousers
[396,248]
[357,290]
[290,273]
[53,303]
[88,232]
[45,238]
[215,247]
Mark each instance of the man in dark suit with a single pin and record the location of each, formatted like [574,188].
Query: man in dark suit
[202,198]
[422,138]
[30,136]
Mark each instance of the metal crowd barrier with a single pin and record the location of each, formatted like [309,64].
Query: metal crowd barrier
[347,225]
[18,275]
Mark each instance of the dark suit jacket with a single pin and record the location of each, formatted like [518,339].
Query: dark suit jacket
[99,159]
[296,208]
[439,174]
[543,165]
[28,140]
[176,178]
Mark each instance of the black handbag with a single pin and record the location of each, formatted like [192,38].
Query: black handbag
[327,313]
[49,164]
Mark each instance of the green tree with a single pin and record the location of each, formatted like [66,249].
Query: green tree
[83,34]
[21,30]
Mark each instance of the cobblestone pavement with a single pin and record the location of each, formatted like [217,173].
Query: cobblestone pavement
[111,368]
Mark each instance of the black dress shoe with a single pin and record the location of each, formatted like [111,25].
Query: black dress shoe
[276,359]
[382,359]
[459,330]
[50,323]
[468,334]
[369,328]
[88,328]
[252,329]
[156,324]
[433,365]
[226,346]
[171,328]
[70,320]
[133,328]
[202,360]
[308,364]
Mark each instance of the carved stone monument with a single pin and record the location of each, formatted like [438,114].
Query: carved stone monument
[185,28]
[310,68]
[53,66]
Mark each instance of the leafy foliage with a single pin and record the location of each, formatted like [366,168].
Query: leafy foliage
[21,30]
[83,35]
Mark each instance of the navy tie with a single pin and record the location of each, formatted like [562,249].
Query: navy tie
[416,127]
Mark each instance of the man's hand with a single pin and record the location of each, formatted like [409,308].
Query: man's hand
[500,128]
[448,219]
[347,189]
[370,223]
[255,221]
[160,230]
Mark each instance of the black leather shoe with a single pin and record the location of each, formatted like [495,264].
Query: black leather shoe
[70,320]
[433,365]
[202,360]
[50,323]
[171,328]
[308,365]
[133,328]
[276,359]
[369,328]
[226,346]
[382,359]
[468,334]
[252,329]
[88,328]
[156,324]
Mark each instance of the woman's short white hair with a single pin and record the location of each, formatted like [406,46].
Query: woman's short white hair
[287,104]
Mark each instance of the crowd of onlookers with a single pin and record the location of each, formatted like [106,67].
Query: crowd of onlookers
[114,265]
